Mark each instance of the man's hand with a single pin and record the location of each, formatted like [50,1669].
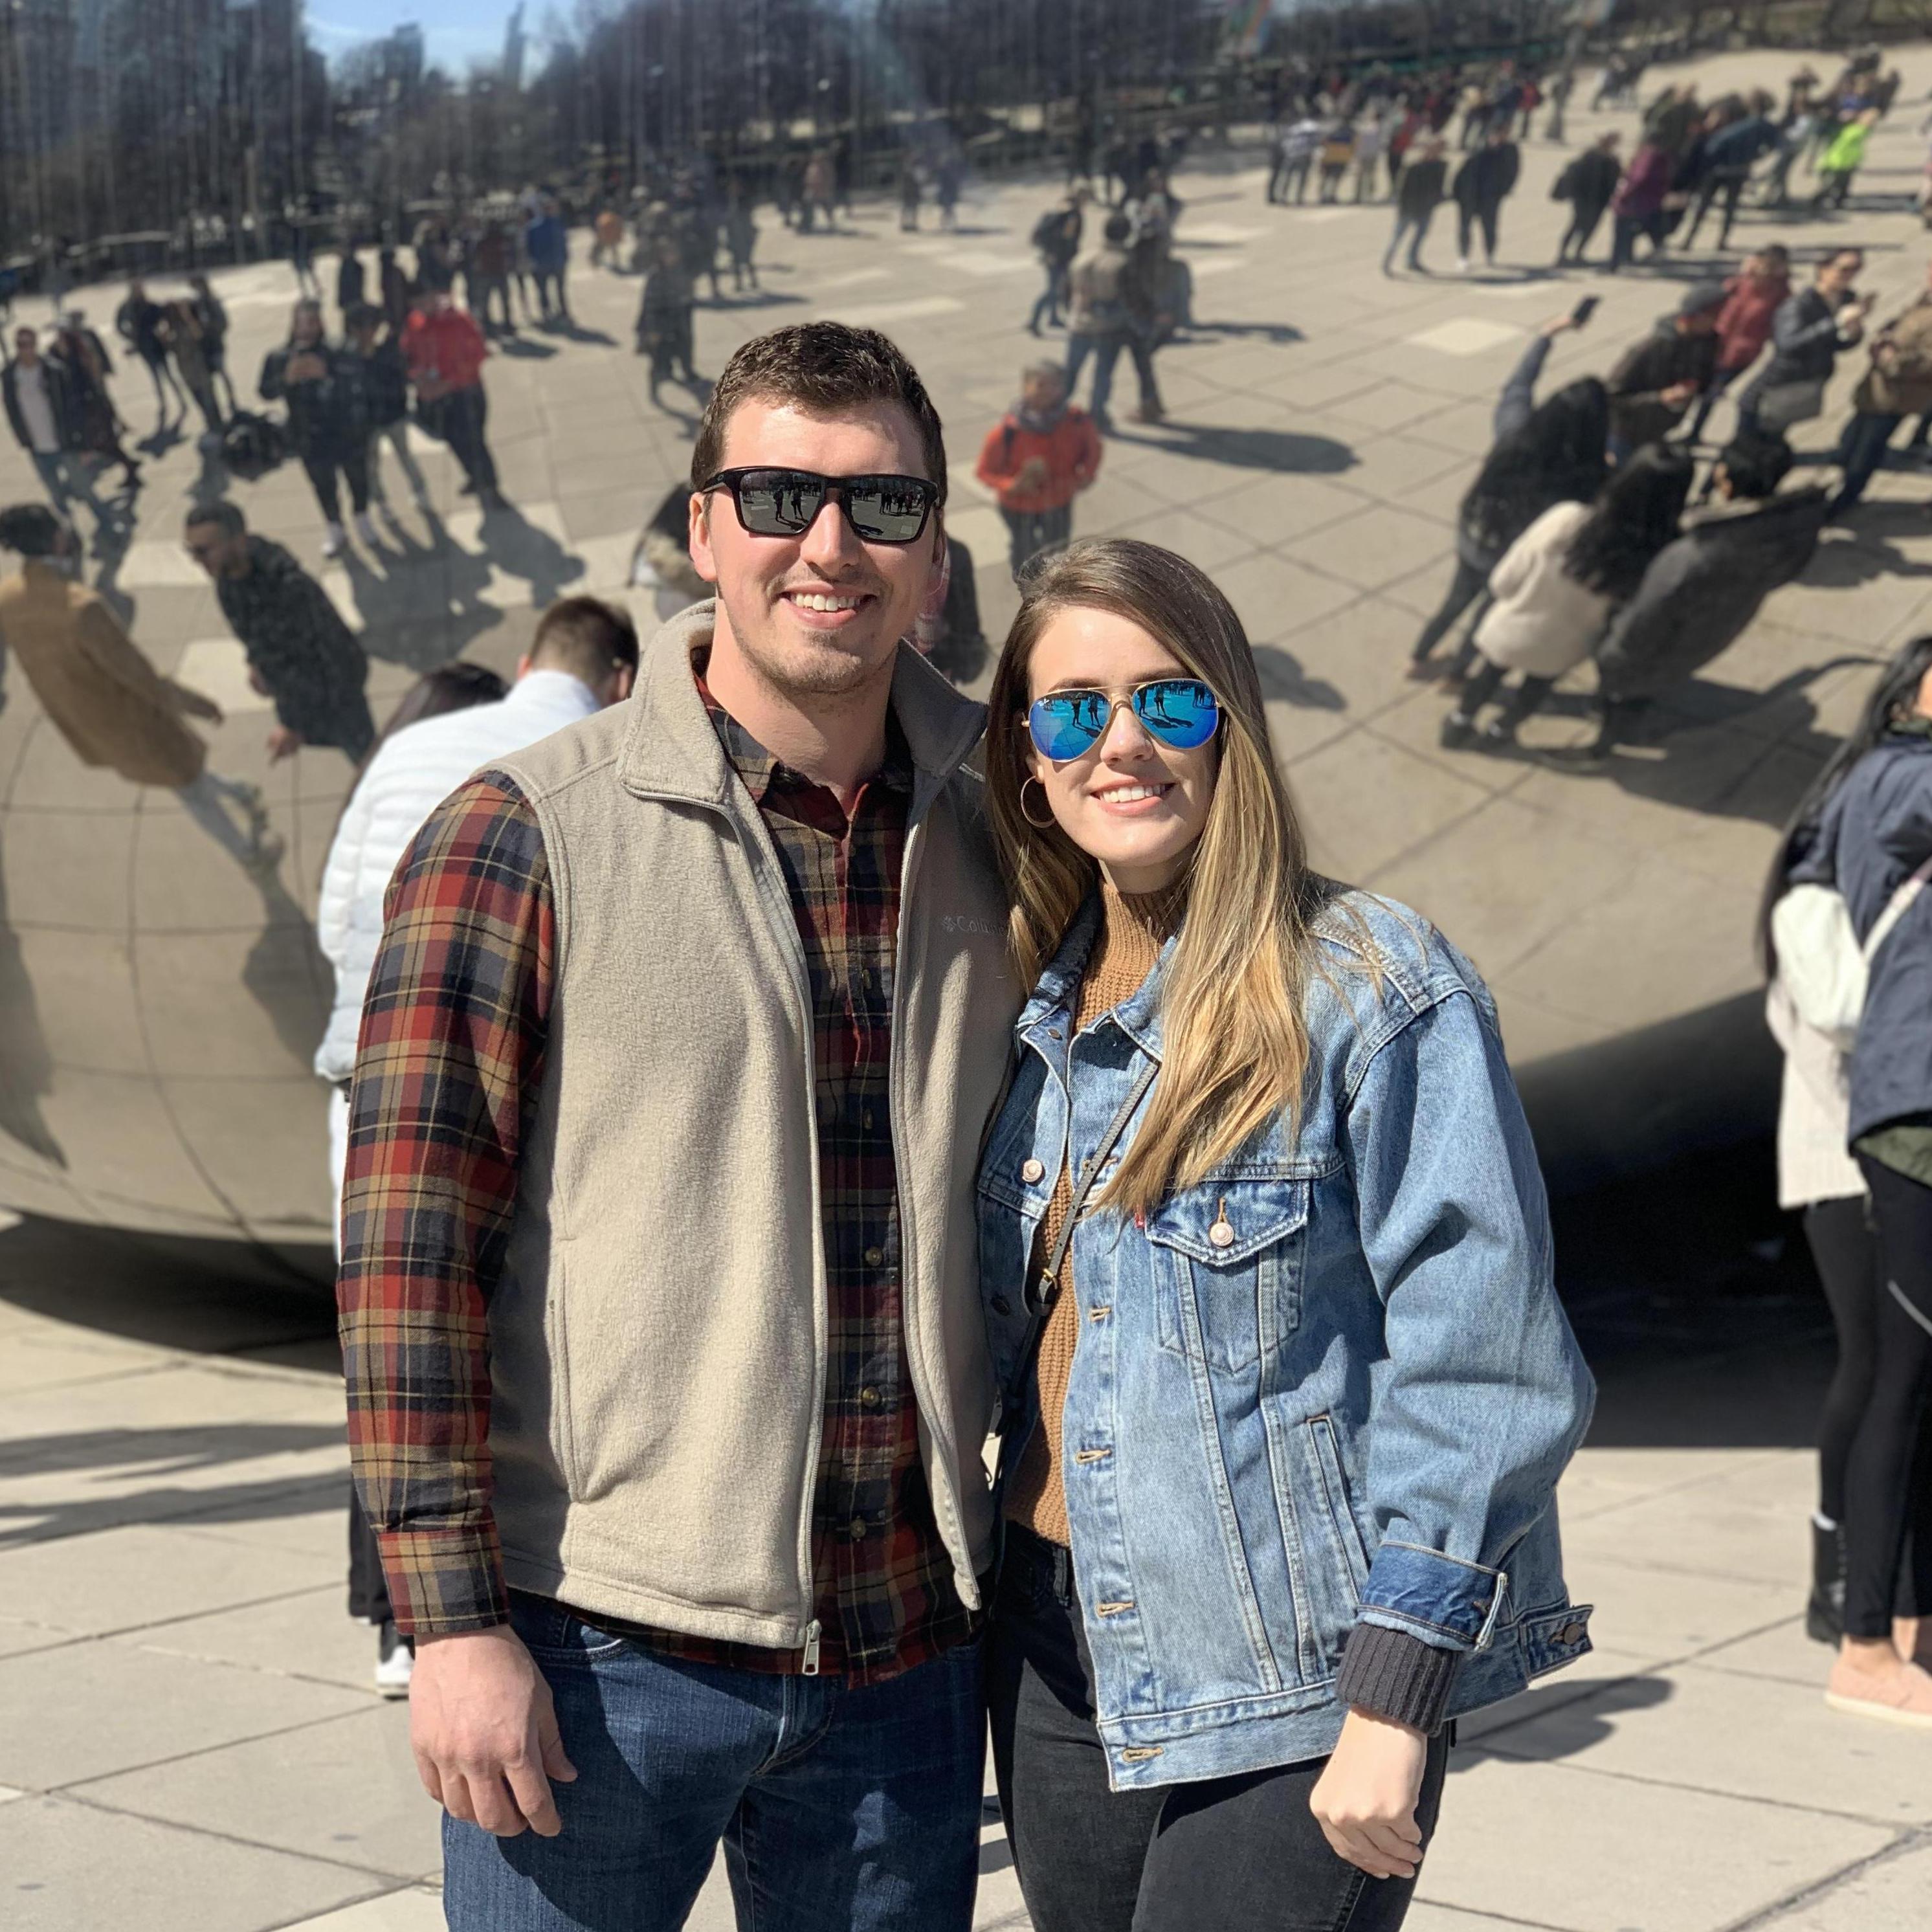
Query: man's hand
[483,1731]
[1678,395]
[1364,1800]
[1559,325]
[283,743]
[195,704]
[1032,474]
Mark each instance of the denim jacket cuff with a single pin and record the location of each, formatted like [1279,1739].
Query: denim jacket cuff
[1441,1599]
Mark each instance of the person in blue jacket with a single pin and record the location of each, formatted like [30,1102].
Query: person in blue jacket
[1872,809]
[547,241]
[1284,1385]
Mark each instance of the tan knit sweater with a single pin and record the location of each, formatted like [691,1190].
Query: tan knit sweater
[1129,940]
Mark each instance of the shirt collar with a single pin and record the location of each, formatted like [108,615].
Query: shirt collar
[763,774]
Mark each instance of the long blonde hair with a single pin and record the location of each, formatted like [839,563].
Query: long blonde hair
[1235,1050]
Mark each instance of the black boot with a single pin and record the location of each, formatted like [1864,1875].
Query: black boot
[1825,1614]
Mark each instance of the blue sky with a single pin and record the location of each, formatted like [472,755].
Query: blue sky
[455,31]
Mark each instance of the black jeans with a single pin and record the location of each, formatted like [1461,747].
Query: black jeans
[323,465]
[368,1587]
[463,412]
[1225,1855]
[1472,581]
[1584,219]
[1485,680]
[1862,452]
[1883,1467]
[1467,219]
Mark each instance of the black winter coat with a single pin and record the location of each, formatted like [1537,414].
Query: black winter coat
[1488,176]
[1701,591]
[324,412]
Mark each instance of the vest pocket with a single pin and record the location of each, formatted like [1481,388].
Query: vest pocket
[1226,1259]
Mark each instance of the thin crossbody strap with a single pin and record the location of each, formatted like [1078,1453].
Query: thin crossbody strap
[1039,1294]
[1897,907]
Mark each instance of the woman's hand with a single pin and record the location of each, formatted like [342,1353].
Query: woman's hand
[1364,1800]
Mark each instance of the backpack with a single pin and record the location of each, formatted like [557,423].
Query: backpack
[252,445]
[1822,965]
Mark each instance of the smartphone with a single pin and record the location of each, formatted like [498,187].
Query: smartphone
[1582,312]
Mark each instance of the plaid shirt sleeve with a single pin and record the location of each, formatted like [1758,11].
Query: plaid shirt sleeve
[453,1036]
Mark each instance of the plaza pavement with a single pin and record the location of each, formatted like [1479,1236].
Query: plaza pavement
[186,1735]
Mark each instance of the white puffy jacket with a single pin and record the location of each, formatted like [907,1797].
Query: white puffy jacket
[406,780]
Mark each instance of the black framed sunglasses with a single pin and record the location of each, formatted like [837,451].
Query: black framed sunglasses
[786,502]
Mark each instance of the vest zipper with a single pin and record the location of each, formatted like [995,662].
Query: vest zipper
[810,1667]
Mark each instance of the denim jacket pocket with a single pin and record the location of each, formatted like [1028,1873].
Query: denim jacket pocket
[1226,1263]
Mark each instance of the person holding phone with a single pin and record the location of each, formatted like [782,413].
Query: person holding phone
[1657,380]
[322,388]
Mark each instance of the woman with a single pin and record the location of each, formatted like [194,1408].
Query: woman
[1551,452]
[181,330]
[1865,827]
[1286,1387]
[1552,594]
[376,827]
[322,387]
[211,318]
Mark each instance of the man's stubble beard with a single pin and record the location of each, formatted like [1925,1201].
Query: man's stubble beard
[801,672]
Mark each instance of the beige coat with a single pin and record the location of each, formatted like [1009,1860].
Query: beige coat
[1899,382]
[102,695]
[657,1339]
[1542,622]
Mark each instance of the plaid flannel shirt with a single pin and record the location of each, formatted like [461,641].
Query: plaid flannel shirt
[452,1046]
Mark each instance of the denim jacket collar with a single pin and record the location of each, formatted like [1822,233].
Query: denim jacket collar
[1138,1017]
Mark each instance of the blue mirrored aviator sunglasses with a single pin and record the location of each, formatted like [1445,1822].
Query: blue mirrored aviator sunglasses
[1180,712]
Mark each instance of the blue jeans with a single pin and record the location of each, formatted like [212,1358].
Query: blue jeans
[1862,450]
[1415,226]
[67,480]
[840,1810]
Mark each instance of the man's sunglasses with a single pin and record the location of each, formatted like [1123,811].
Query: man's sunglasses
[1180,712]
[786,502]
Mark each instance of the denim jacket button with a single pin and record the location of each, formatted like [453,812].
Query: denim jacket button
[1033,1172]
[1221,1234]
[1572,1633]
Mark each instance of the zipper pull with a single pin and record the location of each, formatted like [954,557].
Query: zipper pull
[811,1669]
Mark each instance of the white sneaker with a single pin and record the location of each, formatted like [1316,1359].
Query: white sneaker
[333,540]
[394,1662]
[365,531]
[1462,265]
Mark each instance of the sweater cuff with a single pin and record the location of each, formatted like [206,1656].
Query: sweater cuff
[1390,1674]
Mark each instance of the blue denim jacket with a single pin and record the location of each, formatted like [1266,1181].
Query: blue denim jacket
[1331,1384]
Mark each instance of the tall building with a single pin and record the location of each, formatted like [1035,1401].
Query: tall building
[514,45]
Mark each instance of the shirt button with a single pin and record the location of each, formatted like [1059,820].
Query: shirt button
[865,1118]
[857,1531]
[1033,1171]
[869,1397]
[1001,1306]
[874,1256]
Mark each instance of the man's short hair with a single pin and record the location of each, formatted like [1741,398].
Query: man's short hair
[29,529]
[363,315]
[225,516]
[825,368]
[1756,464]
[585,637]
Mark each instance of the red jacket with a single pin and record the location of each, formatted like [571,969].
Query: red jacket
[1744,322]
[446,348]
[1071,451]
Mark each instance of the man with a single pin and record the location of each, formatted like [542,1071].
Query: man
[1806,334]
[1703,590]
[350,283]
[1106,317]
[1056,238]
[300,652]
[106,700]
[548,242]
[1730,155]
[83,356]
[491,261]
[1036,459]
[1418,195]
[1897,384]
[1589,184]
[446,351]
[1657,380]
[138,323]
[43,407]
[382,405]
[685,1441]
[1295,156]
[1482,183]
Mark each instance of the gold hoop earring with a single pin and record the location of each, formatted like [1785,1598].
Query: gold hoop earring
[1038,824]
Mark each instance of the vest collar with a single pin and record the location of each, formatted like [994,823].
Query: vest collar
[670,750]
